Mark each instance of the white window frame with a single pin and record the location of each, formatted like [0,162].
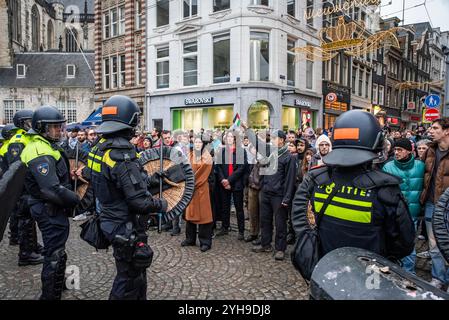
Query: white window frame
[216,39]
[107,26]
[19,74]
[294,9]
[114,74]
[139,11]
[375,93]
[190,9]
[157,13]
[213,8]
[71,111]
[122,70]
[122,20]
[190,55]
[114,24]
[139,67]
[106,74]
[68,74]
[160,60]
[259,3]
[290,53]
[381,95]
[10,107]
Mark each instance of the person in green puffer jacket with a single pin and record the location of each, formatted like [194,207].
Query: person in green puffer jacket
[411,171]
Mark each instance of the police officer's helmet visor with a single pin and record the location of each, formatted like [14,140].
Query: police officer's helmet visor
[54,131]
[27,124]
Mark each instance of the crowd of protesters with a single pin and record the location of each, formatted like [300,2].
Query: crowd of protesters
[231,176]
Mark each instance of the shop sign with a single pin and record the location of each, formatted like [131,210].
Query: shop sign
[303,103]
[198,101]
[411,105]
[415,118]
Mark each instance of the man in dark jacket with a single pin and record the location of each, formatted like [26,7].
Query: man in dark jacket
[436,181]
[231,167]
[276,196]
[366,208]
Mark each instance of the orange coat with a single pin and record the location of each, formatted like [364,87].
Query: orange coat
[199,210]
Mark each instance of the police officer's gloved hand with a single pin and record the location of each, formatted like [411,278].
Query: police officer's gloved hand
[164,205]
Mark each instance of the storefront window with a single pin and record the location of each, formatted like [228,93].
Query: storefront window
[207,118]
[290,118]
[259,115]
[329,121]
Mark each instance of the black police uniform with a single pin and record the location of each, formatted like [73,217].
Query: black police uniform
[29,250]
[121,189]
[365,206]
[120,185]
[368,212]
[48,183]
[7,133]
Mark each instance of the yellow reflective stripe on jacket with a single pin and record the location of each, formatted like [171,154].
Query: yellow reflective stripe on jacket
[345,213]
[4,148]
[94,161]
[359,203]
[20,137]
[107,159]
[95,166]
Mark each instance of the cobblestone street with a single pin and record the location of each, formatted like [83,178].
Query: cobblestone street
[229,271]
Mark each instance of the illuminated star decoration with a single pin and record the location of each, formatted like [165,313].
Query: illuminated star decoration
[349,38]
[418,85]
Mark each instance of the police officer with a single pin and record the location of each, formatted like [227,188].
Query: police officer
[51,198]
[7,133]
[120,185]
[364,207]
[29,250]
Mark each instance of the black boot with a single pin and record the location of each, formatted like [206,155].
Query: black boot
[13,229]
[30,259]
[53,279]
[27,237]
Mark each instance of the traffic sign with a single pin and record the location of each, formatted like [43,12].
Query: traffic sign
[433,101]
[432,115]
[331,97]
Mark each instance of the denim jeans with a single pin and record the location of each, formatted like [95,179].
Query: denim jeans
[409,262]
[439,270]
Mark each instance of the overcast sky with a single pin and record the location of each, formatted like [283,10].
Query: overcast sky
[438,11]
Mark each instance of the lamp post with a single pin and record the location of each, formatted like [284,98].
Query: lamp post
[446,91]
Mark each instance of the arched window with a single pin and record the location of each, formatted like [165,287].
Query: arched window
[14,9]
[50,35]
[35,28]
[71,37]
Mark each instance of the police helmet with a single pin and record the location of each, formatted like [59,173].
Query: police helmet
[22,119]
[8,131]
[357,138]
[119,113]
[42,118]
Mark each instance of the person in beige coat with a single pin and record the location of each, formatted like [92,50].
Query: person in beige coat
[199,211]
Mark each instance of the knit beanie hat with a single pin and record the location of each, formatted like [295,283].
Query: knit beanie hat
[404,144]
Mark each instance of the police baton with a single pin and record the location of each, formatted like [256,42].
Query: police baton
[161,150]
[76,169]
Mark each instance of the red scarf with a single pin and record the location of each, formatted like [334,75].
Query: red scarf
[231,165]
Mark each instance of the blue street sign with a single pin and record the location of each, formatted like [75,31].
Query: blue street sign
[433,101]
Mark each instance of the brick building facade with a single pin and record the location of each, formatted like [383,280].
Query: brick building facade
[120,49]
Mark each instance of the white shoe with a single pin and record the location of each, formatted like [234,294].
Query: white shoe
[424,255]
[436,283]
[80,217]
